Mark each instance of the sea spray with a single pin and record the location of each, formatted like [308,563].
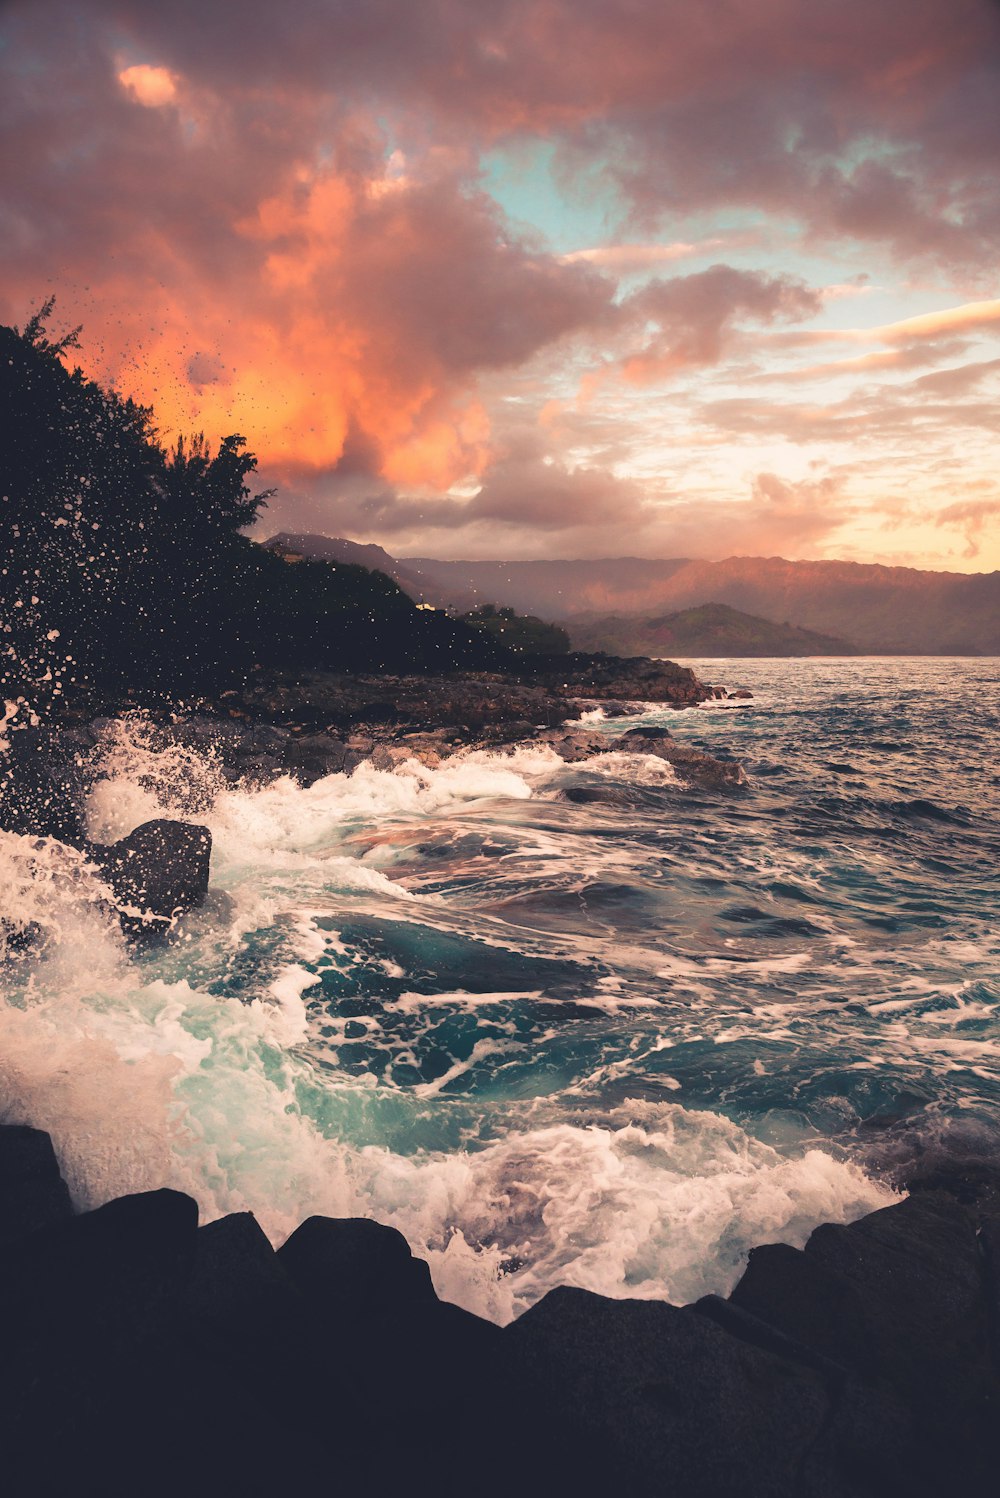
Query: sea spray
[550,1043]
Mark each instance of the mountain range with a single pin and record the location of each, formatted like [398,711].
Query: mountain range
[869,607]
[710,629]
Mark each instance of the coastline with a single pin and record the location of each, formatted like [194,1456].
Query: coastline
[149,1354]
[865,1418]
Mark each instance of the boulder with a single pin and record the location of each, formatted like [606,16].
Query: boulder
[33,1194]
[598,795]
[237,1284]
[641,1397]
[689,763]
[354,1268]
[313,756]
[900,1299]
[158,871]
[574,744]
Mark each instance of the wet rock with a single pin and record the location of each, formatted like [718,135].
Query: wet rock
[599,677]
[354,1267]
[574,744]
[644,1398]
[899,1299]
[32,1191]
[311,757]
[858,1368]
[598,795]
[156,872]
[236,1277]
[646,735]
[690,764]
[43,786]
[741,694]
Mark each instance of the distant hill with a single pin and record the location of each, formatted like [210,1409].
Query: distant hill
[870,608]
[891,610]
[420,587]
[712,629]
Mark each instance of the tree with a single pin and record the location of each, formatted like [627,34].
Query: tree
[111,549]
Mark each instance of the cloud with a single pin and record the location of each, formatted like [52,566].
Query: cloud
[693,319]
[280,225]
[152,87]
[259,263]
[633,259]
[971,517]
[970,317]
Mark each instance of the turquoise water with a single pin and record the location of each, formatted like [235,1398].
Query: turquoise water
[605,1044]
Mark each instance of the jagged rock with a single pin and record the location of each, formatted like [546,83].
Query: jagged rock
[598,795]
[103,1264]
[899,1299]
[644,1398]
[690,764]
[354,1267]
[311,757]
[237,1282]
[140,1352]
[574,744]
[157,871]
[33,1194]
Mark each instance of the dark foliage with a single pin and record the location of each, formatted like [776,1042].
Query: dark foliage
[522,633]
[123,569]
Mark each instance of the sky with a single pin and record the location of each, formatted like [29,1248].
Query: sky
[536,278]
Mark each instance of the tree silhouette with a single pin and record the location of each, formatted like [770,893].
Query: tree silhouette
[123,567]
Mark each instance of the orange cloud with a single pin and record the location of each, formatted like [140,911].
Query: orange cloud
[151,87]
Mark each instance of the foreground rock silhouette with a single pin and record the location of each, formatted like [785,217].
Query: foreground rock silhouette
[155,873]
[146,1354]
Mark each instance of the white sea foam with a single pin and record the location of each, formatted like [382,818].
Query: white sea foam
[147,1078]
[143,1086]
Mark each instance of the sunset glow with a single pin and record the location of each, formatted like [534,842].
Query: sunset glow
[559,280]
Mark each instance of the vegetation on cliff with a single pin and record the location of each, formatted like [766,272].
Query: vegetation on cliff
[523,633]
[124,570]
[712,629]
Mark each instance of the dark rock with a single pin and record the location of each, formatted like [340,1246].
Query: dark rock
[237,1283]
[646,734]
[33,1194]
[598,795]
[690,764]
[156,872]
[102,1264]
[255,769]
[43,785]
[639,1397]
[742,694]
[899,1299]
[574,744]
[143,1354]
[354,1268]
[313,756]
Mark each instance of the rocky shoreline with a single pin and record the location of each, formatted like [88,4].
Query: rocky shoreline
[314,724]
[148,1354]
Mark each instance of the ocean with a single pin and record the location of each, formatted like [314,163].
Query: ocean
[611,1044]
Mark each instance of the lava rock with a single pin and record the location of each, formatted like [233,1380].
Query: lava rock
[156,872]
[354,1268]
[899,1298]
[643,1398]
[690,764]
[33,1194]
